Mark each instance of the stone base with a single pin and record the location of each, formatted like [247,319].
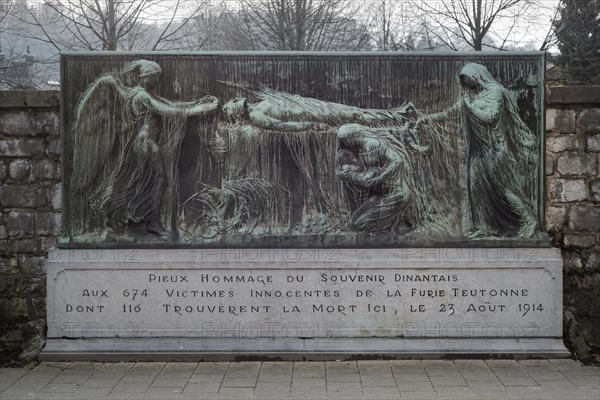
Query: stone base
[303,304]
[187,349]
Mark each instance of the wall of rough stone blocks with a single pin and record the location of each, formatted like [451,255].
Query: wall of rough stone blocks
[573,207]
[30,218]
[30,198]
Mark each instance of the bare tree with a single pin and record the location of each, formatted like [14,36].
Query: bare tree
[18,67]
[387,17]
[551,39]
[394,28]
[477,24]
[210,29]
[106,24]
[300,25]
[52,26]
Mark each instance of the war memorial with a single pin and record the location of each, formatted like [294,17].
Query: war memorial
[303,206]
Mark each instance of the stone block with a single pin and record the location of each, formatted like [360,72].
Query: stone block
[21,147]
[564,121]
[555,218]
[46,169]
[550,163]
[550,118]
[38,300]
[28,262]
[7,281]
[591,260]
[574,336]
[16,123]
[9,285]
[591,332]
[570,95]
[34,333]
[11,264]
[584,218]
[49,99]
[589,282]
[48,122]
[567,190]
[47,223]
[595,190]
[54,147]
[47,243]
[34,273]
[589,121]
[29,123]
[7,266]
[56,196]
[19,224]
[19,169]
[593,143]
[25,196]
[558,144]
[20,246]
[12,308]
[580,298]
[3,171]
[33,285]
[572,261]
[577,165]
[579,241]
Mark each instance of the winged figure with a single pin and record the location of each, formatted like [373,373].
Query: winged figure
[126,146]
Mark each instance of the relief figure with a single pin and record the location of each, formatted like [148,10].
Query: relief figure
[500,151]
[371,164]
[139,185]
[285,112]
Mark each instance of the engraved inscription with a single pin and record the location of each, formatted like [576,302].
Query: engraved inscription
[355,302]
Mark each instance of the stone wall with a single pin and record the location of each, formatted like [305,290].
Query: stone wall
[30,199]
[30,217]
[573,208]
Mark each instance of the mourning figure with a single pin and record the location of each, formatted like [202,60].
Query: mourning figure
[500,152]
[371,163]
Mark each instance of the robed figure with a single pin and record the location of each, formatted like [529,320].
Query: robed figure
[500,158]
[127,142]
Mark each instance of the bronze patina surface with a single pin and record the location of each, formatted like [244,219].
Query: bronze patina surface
[303,149]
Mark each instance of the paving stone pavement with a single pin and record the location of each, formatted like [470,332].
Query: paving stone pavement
[347,380]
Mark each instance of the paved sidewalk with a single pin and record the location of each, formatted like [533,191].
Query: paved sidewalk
[405,379]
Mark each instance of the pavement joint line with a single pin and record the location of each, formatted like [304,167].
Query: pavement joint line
[224,375]
[394,377]
[155,377]
[258,375]
[292,380]
[360,378]
[190,377]
[121,378]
